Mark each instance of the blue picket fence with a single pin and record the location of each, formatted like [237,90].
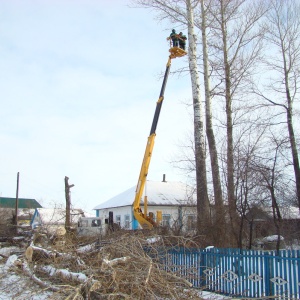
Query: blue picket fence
[236,272]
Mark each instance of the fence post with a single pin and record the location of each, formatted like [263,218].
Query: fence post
[267,274]
[202,266]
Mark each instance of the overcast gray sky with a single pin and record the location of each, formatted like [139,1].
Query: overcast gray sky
[78,89]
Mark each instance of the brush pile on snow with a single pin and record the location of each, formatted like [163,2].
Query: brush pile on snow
[124,267]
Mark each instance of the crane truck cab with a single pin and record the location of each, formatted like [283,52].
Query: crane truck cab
[91,226]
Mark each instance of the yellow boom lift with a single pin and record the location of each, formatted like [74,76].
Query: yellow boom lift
[147,220]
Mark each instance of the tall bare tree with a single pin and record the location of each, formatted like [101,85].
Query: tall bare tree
[218,196]
[283,61]
[202,193]
[236,44]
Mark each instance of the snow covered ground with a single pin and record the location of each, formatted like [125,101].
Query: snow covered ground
[212,296]
[17,286]
[14,284]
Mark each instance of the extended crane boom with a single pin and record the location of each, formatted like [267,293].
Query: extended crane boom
[147,221]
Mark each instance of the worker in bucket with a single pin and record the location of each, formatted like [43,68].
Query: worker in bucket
[182,40]
[174,38]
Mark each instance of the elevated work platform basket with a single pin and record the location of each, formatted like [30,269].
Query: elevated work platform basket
[177,52]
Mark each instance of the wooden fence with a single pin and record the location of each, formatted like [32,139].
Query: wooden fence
[237,273]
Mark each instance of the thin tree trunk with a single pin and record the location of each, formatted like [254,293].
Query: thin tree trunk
[219,218]
[294,154]
[68,203]
[230,161]
[250,234]
[276,216]
[202,194]
[291,133]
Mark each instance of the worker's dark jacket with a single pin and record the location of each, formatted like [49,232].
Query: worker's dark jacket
[182,39]
[174,36]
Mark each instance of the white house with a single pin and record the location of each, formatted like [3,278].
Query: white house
[176,200]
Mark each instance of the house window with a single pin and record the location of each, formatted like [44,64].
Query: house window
[191,222]
[166,220]
[127,221]
[118,220]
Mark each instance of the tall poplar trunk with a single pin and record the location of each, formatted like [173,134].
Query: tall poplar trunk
[203,218]
[229,127]
[289,113]
[294,153]
[219,218]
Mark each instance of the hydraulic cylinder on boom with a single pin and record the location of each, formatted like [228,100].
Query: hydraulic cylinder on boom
[146,220]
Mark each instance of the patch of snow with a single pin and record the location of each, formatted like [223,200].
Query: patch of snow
[10,261]
[86,248]
[212,296]
[272,238]
[6,251]
[153,240]
[210,247]
[18,238]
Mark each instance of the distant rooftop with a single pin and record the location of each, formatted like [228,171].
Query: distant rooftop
[157,192]
[57,215]
[6,202]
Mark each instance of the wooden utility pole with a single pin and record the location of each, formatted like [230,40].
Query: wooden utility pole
[17,200]
[68,202]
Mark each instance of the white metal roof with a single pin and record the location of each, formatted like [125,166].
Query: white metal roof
[58,215]
[287,212]
[158,193]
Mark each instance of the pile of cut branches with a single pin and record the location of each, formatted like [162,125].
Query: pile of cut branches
[124,268]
